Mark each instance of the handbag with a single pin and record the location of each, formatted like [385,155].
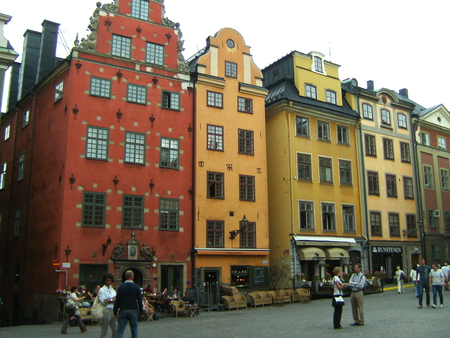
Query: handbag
[97,310]
[71,304]
[339,299]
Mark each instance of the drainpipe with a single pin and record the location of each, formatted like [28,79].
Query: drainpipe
[194,182]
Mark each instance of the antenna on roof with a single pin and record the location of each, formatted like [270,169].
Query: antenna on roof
[64,41]
[329,50]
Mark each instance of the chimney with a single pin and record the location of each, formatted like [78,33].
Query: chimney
[47,53]
[30,58]
[404,92]
[370,85]
[13,86]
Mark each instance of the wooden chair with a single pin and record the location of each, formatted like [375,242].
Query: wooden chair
[295,296]
[305,295]
[85,314]
[178,307]
[149,311]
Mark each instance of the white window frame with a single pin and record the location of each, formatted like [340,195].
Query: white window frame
[323,131]
[348,220]
[318,63]
[428,177]
[367,113]
[310,91]
[331,96]
[7,132]
[441,143]
[154,54]
[306,207]
[425,138]
[59,89]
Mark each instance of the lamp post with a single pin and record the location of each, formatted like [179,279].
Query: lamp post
[244,224]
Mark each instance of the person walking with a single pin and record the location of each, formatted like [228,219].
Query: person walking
[73,310]
[415,275]
[422,280]
[107,296]
[437,281]
[129,306]
[400,276]
[338,301]
[446,271]
[357,283]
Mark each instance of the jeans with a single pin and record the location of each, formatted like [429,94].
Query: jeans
[108,320]
[437,289]
[130,316]
[426,286]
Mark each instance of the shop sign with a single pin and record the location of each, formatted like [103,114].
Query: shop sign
[387,249]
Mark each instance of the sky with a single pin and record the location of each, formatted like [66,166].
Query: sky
[396,43]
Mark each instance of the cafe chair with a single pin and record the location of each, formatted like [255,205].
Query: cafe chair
[178,308]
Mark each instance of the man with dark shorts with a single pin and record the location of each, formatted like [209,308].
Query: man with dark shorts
[423,282]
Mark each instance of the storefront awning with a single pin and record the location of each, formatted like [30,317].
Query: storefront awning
[324,241]
[336,253]
[311,253]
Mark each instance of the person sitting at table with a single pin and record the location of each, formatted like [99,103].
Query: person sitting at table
[176,292]
[85,295]
[164,296]
[187,299]
[148,309]
[148,290]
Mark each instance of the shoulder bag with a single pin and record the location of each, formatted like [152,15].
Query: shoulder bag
[97,310]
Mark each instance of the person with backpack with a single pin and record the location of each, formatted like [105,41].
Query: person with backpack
[401,278]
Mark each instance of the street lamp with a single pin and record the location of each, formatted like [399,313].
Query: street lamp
[244,224]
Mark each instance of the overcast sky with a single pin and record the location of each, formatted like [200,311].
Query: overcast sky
[397,44]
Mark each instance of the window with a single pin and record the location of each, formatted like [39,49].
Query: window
[100,87]
[230,69]
[425,137]
[348,214]
[134,148]
[17,216]
[391,185]
[385,117]
[444,179]
[343,137]
[311,91]
[375,223]
[306,215]
[133,212]
[154,54]
[304,167]
[323,130]
[245,105]
[345,172]
[428,177]
[170,100]
[121,46]
[215,137]
[447,220]
[245,142]
[325,170]
[402,121]
[97,143]
[388,148]
[367,111]
[59,89]
[139,9]
[215,99]
[435,251]
[3,176]
[302,124]
[7,132]
[248,235]
[331,96]
[136,94]
[408,188]
[94,206]
[318,67]
[394,225]
[246,188]
[21,169]
[431,219]
[168,214]
[215,185]
[441,143]
[405,152]
[26,119]
[372,180]
[215,234]
[411,226]
[328,217]
[371,147]
[169,153]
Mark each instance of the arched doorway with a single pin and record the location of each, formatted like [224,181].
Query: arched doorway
[137,276]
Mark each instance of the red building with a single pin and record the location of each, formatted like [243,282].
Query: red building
[97,161]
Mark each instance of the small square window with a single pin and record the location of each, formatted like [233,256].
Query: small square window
[100,87]
[230,69]
[97,143]
[171,100]
[154,54]
[367,111]
[136,94]
[215,137]
[311,91]
[331,96]
[121,46]
[245,105]
[139,9]
[215,99]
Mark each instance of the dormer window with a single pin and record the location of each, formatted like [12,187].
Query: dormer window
[311,91]
[317,64]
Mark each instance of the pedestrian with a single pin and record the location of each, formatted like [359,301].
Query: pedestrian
[338,301]
[128,305]
[73,311]
[446,271]
[414,275]
[437,280]
[107,296]
[423,282]
[400,276]
[357,283]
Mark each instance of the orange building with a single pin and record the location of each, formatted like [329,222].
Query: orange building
[98,161]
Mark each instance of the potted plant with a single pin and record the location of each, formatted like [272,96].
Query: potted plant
[368,275]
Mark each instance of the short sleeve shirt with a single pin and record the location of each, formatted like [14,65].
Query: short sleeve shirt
[424,272]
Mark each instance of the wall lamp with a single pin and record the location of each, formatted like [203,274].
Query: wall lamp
[244,224]
[105,246]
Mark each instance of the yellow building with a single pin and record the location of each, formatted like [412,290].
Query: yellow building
[231,208]
[389,193]
[312,153]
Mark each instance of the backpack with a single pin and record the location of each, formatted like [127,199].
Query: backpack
[402,276]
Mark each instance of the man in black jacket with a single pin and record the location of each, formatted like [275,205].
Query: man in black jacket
[129,301]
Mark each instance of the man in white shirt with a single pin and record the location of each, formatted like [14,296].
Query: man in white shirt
[357,283]
[445,270]
[107,296]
